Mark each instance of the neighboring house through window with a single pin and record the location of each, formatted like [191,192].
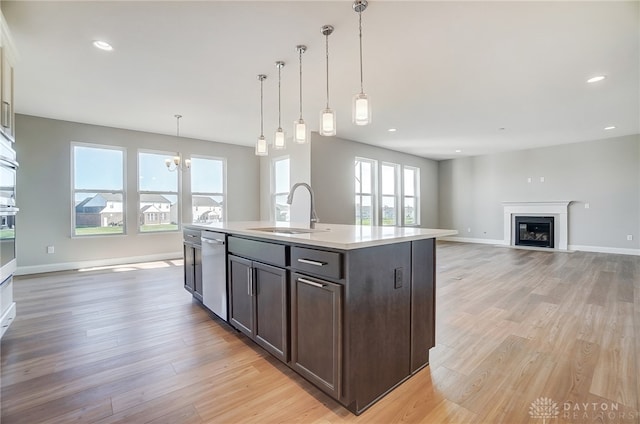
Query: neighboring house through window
[98,190]
[411,196]
[159,209]
[207,189]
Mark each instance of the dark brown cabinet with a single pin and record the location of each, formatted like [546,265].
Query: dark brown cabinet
[316,332]
[258,304]
[193,263]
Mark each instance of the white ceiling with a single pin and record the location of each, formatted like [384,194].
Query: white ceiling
[479,76]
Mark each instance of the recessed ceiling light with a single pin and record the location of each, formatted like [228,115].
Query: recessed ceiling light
[458,151]
[392,130]
[596,79]
[609,128]
[102,45]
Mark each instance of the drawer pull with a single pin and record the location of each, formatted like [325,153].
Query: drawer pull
[311,283]
[310,262]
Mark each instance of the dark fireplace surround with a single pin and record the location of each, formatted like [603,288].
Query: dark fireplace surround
[536,231]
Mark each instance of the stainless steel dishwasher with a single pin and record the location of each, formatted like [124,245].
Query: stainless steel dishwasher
[214,272]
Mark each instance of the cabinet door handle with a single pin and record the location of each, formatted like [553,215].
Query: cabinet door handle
[311,283]
[310,262]
[250,281]
[6,114]
[211,241]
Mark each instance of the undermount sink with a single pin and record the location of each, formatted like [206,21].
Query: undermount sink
[288,230]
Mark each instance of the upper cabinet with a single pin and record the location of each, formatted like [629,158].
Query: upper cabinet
[7,61]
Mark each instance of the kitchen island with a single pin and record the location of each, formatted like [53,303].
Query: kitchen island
[350,308]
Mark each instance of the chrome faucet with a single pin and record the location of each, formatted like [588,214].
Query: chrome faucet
[313,217]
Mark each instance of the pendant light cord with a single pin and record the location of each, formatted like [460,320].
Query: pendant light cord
[327,54]
[261,117]
[279,121]
[300,62]
[360,29]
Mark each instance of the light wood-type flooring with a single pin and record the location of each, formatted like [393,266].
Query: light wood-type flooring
[522,337]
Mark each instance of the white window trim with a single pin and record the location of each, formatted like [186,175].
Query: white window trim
[274,194]
[224,184]
[178,194]
[416,196]
[75,144]
[374,188]
[396,193]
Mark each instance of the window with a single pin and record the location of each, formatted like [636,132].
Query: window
[158,191]
[389,193]
[365,171]
[411,196]
[98,190]
[207,190]
[281,189]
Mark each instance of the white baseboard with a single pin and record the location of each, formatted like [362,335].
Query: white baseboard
[67,266]
[472,240]
[599,249]
[571,247]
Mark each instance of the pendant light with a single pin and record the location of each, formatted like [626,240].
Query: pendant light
[327,116]
[361,105]
[279,142]
[176,163]
[300,128]
[262,149]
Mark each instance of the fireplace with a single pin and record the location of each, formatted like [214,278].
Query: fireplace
[534,231]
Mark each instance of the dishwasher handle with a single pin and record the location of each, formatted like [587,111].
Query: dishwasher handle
[212,241]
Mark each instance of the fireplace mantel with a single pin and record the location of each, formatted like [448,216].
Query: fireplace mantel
[558,209]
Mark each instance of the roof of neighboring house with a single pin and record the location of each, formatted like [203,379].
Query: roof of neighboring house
[148,209]
[153,198]
[203,201]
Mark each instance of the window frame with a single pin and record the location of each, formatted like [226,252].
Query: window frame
[274,194]
[123,192]
[416,195]
[178,194]
[396,194]
[374,191]
[223,195]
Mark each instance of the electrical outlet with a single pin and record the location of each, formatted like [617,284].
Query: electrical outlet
[469,230]
[397,278]
[629,237]
[51,249]
[529,179]
[586,205]
[541,179]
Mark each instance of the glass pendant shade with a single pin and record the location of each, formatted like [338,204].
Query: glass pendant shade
[327,122]
[279,142]
[262,149]
[300,131]
[361,109]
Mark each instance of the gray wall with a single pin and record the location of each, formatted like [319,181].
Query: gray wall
[603,173]
[332,167]
[44,193]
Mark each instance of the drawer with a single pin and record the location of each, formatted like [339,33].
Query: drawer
[319,262]
[191,236]
[270,253]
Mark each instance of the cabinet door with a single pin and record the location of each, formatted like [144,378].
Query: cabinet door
[271,331]
[316,332]
[188,267]
[6,106]
[241,312]
[197,273]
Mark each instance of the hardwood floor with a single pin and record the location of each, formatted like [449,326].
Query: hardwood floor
[128,345]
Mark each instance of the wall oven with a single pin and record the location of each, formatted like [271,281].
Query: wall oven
[8,210]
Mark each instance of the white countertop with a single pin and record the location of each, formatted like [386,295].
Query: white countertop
[335,236]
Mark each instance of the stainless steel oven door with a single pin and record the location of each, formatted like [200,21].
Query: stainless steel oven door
[7,242]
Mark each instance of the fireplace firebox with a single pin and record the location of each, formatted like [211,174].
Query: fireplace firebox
[534,231]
